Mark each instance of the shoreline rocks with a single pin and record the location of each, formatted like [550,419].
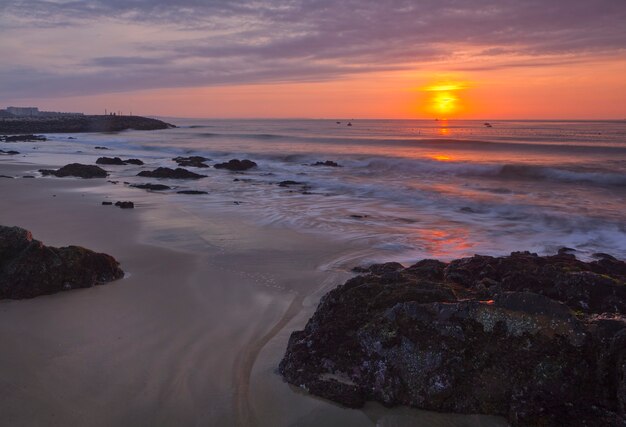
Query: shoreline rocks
[538,340]
[192,161]
[151,187]
[178,173]
[28,268]
[78,170]
[236,165]
[117,161]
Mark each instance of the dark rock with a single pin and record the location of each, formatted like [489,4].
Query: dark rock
[178,173]
[6,176]
[355,216]
[236,165]
[191,192]
[133,162]
[76,169]
[425,336]
[289,183]
[152,187]
[107,203]
[329,163]
[192,161]
[117,161]
[110,161]
[125,205]
[100,148]
[24,138]
[28,268]
[10,152]
[28,176]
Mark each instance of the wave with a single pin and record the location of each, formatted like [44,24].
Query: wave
[506,171]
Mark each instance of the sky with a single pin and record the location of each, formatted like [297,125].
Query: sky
[469,59]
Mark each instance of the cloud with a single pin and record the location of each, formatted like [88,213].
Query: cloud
[80,47]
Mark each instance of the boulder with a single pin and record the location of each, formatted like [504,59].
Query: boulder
[117,161]
[76,169]
[28,268]
[192,161]
[328,163]
[125,205]
[488,335]
[191,192]
[110,161]
[133,162]
[151,187]
[178,173]
[236,165]
[289,183]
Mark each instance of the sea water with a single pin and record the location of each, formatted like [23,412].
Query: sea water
[405,189]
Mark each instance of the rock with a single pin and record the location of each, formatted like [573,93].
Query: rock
[133,162]
[192,161]
[10,152]
[24,138]
[152,187]
[6,176]
[77,169]
[28,268]
[110,161]
[329,163]
[236,165]
[178,173]
[107,203]
[289,183]
[28,176]
[191,192]
[117,161]
[100,148]
[125,205]
[426,336]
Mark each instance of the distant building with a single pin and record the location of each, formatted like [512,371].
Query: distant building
[23,111]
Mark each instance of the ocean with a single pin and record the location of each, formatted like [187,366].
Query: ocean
[405,189]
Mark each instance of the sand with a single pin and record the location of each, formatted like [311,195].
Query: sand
[191,336]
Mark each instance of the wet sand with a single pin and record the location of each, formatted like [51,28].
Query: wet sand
[191,336]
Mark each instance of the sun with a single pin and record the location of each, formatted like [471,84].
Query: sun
[443,99]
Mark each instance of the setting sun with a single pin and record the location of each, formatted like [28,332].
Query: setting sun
[443,100]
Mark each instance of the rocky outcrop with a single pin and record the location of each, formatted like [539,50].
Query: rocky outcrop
[192,161]
[117,161]
[236,165]
[71,124]
[328,163]
[125,205]
[76,169]
[151,187]
[191,192]
[178,173]
[28,268]
[539,340]
[9,152]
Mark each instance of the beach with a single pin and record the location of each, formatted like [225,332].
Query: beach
[216,283]
[191,336]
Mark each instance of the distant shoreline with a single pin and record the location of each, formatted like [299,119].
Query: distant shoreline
[77,124]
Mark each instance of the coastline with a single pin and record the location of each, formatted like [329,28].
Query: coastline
[192,334]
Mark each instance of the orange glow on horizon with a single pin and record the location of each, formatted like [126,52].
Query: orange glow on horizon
[443,100]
